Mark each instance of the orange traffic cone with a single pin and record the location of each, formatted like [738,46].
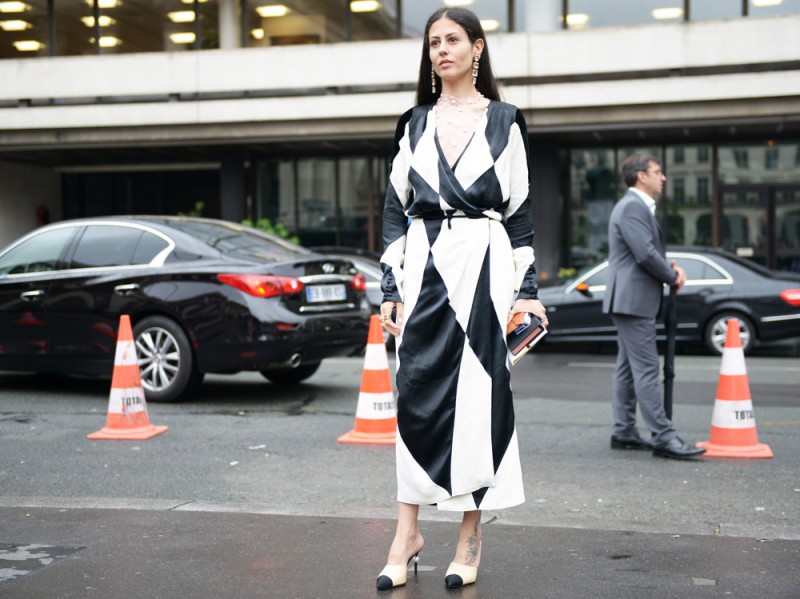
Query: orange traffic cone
[376,417]
[127,408]
[733,424]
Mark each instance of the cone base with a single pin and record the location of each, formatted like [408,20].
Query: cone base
[130,434]
[355,436]
[715,450]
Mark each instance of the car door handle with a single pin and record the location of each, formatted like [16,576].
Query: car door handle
[32,296]
[126,289]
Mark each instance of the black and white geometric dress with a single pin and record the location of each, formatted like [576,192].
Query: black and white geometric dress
[458,252]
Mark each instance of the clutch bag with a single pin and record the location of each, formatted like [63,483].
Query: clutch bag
[523,331]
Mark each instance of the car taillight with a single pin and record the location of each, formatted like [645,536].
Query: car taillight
[263,285]
[791,296]
[359,283]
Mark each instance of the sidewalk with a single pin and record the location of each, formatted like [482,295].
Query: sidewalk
[155,554]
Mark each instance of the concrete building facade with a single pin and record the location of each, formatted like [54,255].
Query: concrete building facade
[302,133]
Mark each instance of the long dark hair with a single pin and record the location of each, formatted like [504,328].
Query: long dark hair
[486,83]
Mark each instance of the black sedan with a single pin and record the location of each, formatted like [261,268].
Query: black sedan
[203,296]
[720,286]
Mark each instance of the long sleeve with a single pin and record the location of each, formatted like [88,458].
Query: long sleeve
[394,218]
[637,233]
[519,221]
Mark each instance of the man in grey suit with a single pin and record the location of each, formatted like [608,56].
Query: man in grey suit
[637,270]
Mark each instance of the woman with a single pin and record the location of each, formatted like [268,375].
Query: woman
[458,263]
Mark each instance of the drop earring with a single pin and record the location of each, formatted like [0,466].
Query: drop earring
[433,80]
[475,66]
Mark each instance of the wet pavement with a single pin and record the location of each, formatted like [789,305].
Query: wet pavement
[171,553]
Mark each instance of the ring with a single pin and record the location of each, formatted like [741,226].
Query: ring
[384,319]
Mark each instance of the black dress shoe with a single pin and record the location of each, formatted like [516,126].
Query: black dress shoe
[677,449]
[630,443]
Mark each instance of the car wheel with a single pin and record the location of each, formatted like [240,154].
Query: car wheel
[165,357]
[717,328]
[291,375]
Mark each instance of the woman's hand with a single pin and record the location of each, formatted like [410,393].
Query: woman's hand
[534,306]
[392,326]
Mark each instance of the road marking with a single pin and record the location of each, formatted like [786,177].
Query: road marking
[683,367]
[780,423]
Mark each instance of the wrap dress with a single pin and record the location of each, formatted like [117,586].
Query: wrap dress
[458,252]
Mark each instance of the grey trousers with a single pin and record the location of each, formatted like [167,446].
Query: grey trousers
[637,380]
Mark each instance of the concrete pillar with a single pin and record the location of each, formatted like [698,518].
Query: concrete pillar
[547,207]
[232,197]
[230,35]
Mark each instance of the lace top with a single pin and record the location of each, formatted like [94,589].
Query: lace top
[456,119]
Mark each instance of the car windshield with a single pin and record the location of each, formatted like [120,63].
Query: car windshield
[238,241]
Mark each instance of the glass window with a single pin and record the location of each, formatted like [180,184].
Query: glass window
[702,153]
[37,254]
[787,229]
[744,223]
[26,31]
[598,278]
[686,201]
[149,247]
[715,9]
[735,165]
[760,8]
[677,157]
[594,189]
[295,22]
[360,185]
[377,22]
[590,13]
[678,190]
[493,15]
[275,193]
[703,194]
[742,158]
[771,158]
[106,245]
[698,270]
[316,197]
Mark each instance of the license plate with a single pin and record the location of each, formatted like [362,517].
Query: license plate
[326,293]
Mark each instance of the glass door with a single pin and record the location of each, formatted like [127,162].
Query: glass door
[761,222]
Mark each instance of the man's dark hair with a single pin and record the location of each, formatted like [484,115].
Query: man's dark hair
[470,23]
[634,164]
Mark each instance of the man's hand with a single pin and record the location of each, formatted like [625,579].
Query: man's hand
[679,282]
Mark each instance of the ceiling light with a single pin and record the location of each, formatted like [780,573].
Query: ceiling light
[577,19]
[257,33]
[181,16]
[104,21]
[15,25]
[104,3]
[182,38]
[14,7]
[364,5]
[458,2]
[272,10]
[760,3]
[490,24]
[192,1]
[667,13]
[28,46]
[109,41]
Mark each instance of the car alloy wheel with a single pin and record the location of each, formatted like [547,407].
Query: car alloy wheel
[165,358]
[717,330]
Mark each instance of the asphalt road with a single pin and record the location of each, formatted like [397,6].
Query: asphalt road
[245,452]
[244,443]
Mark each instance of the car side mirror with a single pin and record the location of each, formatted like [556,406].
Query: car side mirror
[583,288]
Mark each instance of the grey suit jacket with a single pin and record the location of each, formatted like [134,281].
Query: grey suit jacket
[637,263]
